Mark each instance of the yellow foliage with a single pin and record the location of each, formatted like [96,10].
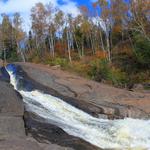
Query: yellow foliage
[101,54]
[79,68]
[117,28]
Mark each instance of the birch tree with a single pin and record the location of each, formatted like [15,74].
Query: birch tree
[6,41]
[51,28]
[39,24]
[106,17]
[18,33]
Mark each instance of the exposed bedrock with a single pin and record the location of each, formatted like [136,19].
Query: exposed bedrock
[21,130]
[95,98]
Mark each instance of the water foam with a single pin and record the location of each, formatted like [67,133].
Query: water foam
[111,134]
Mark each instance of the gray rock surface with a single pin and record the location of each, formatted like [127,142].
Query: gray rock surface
[15,143]
[12,128]
[11,112]
[97,97]
[10,125]
[10,103]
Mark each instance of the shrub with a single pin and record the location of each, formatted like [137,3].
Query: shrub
[35,59]
[118,78]
[11,56]
[140,77]
[60,61]
[101,70]
[79,68]
[142,50]
[56,61]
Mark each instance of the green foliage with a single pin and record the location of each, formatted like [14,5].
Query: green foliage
[118,78]
[48,60]
[11,56]
[63,62]
[101,70]
[79,68]
[142,50]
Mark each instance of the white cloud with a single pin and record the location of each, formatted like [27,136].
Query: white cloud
[24,7]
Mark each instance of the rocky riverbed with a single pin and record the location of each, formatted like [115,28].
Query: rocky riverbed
[100,99]
[22,130]
[28,131]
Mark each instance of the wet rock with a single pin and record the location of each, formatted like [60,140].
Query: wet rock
[102,116]
[3,74]
[45,132]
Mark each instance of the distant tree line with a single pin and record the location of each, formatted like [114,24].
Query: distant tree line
[109,29]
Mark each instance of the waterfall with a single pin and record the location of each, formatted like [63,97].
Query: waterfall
[108,134]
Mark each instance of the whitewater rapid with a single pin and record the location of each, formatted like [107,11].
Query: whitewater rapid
[123,134]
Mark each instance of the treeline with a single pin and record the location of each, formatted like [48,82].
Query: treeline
[11,35]
[117,32]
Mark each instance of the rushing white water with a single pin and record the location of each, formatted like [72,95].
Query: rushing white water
[122,134]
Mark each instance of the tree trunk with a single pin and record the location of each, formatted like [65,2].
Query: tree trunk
[108,48]
[22,55]
[52,45]
[4,61]
[69,48]
[78,49]
[102,43]
[82,52]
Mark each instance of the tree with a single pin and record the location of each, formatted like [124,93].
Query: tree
[39,24]
[139,18]
[18,33]
[51,28]
[69,35]
[6,41]
[86,29]
[105,15]
[77,34]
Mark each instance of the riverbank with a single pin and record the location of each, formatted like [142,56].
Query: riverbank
[69,88]
[103,100]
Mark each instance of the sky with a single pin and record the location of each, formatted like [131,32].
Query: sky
[24,6]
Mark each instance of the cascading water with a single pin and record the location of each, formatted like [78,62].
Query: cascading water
[108,134]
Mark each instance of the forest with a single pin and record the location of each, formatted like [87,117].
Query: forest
[109,42]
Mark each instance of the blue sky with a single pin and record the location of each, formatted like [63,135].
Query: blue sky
[10,6]
[84,2]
